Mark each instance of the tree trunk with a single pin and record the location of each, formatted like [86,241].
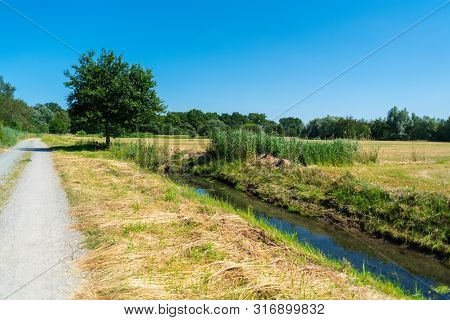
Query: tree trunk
[107,135]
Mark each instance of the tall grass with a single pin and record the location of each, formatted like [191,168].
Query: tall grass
[244,145]
[144,154]
[9,137]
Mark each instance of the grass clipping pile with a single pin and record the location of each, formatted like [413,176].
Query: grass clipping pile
[149,238]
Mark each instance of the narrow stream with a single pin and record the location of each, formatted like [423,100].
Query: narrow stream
[412,270]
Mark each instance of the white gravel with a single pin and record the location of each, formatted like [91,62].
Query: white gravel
[37,245]
[10,157]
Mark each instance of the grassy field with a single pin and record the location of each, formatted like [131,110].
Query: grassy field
[151,238]
[410,151]
[415,165]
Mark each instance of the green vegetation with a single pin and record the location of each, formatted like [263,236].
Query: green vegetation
[148,245]
[7,183]
[42,118]
[9,137]
[112,98]
[244,145]
[417,218]
[146,155]
[108,95]
[398,125]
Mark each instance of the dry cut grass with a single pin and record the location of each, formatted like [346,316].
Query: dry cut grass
[410,151]
[149,238]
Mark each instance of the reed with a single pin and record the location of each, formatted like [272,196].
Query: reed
[244,145]
[9,137]
[146,155]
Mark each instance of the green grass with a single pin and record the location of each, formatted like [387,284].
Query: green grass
[7,183]
[311,253]
[205,252]
[208,252]
[244,145]
[146,155]
[417,218]
[9,137]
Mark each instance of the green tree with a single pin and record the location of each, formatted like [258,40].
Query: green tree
[60,123]
[443,130]
[110,93]
[257,118]
[292,127]
[211,126]
[398,122]
[15,113]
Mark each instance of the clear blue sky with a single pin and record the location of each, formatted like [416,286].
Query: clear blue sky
[259,56]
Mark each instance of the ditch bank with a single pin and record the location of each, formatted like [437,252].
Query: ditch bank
[413,271]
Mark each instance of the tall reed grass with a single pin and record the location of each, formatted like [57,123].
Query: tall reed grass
[244,145]
[144,154]
[9,137]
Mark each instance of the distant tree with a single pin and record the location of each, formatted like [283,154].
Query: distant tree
[53,106]
[274,128]
[257,118]
[292,127]
[42,113]
[211,126]
[15,113]
[322,128]
[422,128]
[111,94]
[60,123]
[252,127]
[379,129]
[6,89]
[234,120]
[443,130]
[196,118]
[398,122]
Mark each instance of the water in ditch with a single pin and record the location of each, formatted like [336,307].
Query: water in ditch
[411,270]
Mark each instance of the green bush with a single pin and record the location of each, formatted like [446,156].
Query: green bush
[80,133]
[244,145]
[9,137]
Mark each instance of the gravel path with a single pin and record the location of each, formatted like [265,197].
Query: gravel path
[36,243]
[10,157]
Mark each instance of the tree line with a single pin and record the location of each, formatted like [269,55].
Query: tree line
[109,96]
[397,125]
[41,118]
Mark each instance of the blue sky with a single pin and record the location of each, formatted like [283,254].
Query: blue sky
[259,56]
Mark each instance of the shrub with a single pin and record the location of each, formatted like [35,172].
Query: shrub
[9,137]
[80,133]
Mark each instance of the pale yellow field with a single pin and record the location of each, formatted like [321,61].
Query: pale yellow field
[410,151]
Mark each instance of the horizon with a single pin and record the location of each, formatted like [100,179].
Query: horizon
[263,62]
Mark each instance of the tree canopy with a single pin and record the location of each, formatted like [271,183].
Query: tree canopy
[109,93]
[17,114]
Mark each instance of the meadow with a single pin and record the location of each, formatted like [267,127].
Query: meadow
[384,189]
[344,183]
[148,237]
[419,165]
